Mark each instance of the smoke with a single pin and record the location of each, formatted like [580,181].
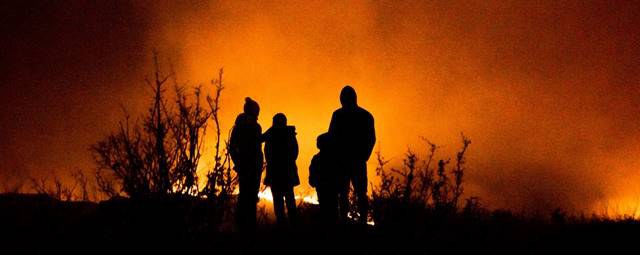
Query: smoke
[547,91]
[66,68]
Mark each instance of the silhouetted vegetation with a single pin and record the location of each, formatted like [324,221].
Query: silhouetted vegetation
[155,201]
[159,155]
[419,187]
[79,190]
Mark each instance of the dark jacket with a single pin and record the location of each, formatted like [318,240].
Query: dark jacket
[245,146]
[322,172]
[315,168]
[281,151]
[353,133]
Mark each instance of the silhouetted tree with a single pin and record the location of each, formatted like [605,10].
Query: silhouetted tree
[221,180]
[458,172]
[426,177]
[161,154]
[106,184]
[188,132]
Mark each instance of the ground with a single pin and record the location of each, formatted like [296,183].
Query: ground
[39,224]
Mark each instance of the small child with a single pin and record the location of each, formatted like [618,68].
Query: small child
[322,178]
[281,152]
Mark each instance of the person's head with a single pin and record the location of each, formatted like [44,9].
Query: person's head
[251,107]
[348,97]
[280,120]
[322,142]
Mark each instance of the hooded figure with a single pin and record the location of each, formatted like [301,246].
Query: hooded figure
[353,134]
[281,151]
[245,148]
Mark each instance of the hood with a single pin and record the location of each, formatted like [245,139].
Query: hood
[288,130]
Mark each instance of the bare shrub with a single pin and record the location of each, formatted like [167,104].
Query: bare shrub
[14,187]
[221,180]
[420,187]
[106,185]
[54,188]
[160,154]
[82,182]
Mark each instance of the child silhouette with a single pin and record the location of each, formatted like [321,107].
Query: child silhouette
[323,178]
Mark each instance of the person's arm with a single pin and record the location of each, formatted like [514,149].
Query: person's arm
[295,147]
[267,152]
[313,172]
[259,149]
[333,125]
[371,136]
[233,145]
[259,132]
[262,137]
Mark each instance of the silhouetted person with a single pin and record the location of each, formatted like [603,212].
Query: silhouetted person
[245,147]
[353,133]
[322,176]
[281,152]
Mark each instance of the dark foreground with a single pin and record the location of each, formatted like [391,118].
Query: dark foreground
[37,224]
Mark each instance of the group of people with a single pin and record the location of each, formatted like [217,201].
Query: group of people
[341,161]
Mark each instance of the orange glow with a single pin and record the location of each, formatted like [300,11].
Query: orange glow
[420,74]
[546,90]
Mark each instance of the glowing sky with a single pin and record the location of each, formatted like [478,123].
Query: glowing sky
[547,91]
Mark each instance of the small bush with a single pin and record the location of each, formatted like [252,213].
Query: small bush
[419,189]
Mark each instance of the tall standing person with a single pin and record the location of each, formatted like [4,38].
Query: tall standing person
[353,131]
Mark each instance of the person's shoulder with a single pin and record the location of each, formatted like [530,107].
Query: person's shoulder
[364,112]
[342,112]
[315,161]
[291,130]
[241,119]
[267,133]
